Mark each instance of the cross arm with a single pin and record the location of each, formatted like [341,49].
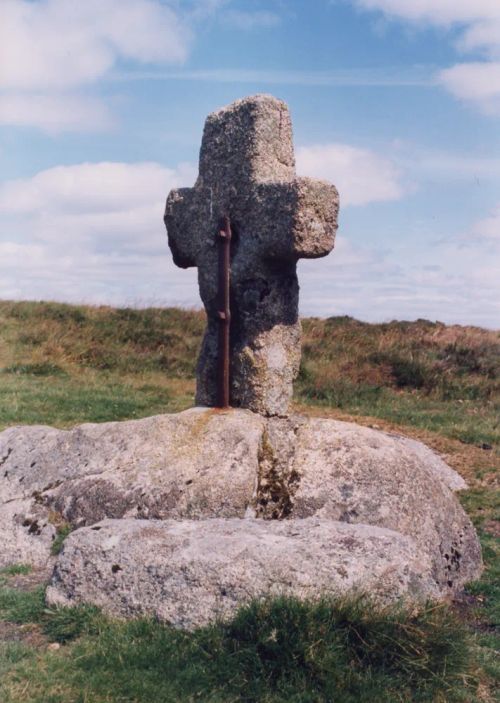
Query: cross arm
[299,218]
[185,219]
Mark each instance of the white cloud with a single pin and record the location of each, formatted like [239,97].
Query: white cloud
[50,47]
[93,233]
[100,204]
[488,229]
[443,12]
[55,113]
[404,284]
[478,22]
[361,176]
[440,164]
[478,82]
[89,187]
[32,272]
[483,36]
[63,43]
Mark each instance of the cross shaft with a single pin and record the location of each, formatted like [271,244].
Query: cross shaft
[223,391]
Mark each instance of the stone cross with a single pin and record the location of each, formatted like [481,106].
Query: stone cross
[247,172]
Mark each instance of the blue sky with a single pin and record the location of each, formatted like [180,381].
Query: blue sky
[397,102]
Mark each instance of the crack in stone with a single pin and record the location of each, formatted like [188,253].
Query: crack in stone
[4,458]
[278,478]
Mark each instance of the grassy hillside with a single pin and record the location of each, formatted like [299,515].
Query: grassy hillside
[72,363]
[62,365]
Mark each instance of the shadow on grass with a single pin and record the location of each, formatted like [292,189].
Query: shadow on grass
[280,650]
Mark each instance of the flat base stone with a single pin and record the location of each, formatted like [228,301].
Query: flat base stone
[189,573]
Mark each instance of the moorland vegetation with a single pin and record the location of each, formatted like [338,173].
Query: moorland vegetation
[62,365]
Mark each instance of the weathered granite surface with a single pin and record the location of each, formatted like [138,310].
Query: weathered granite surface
[188,573]
[200,463]
[359,475]
[205,463]
[247,171]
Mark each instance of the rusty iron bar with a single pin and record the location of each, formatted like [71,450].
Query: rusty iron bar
[224,313]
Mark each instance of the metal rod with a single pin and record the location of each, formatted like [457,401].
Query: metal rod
[223,381]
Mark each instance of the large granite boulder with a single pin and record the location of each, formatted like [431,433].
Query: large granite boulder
[189,572]
[215,466]
[200,463]
[355,474]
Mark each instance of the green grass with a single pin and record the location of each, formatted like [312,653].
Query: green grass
[484,507]
[12,655]
[62,532]
[422,374]
[21,606]
[63,402]
[16,570]
[62,365]
[469,421]
[281,650]
[60,625]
